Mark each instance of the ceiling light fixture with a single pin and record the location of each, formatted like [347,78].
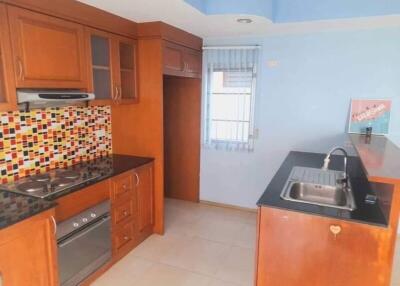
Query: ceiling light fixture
[244,21]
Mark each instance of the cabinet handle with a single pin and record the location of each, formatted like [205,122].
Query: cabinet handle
[126,238]
[124,187]
[20,69]
[137,179]
[335,229]
[115,97]
[120,93]
[54,224]
[125,213]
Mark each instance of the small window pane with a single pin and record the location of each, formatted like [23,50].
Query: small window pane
[102,84]
[126,56]
[230,106]
[100,51]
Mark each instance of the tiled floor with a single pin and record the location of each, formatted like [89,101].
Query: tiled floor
[203,246]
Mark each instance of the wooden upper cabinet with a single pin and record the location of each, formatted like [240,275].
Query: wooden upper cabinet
[112,68]
[7,84]
[48,52]
[173,61]
[181,61]
[192,63]
[125,70]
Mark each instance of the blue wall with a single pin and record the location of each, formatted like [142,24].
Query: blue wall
[303,103]
[281,11]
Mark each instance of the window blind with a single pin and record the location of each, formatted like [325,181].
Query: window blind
[229,97]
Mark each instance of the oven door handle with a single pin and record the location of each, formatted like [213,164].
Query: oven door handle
[82,233]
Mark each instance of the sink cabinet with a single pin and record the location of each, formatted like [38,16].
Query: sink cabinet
[300,249]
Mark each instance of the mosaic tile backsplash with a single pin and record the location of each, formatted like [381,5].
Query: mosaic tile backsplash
[43,139]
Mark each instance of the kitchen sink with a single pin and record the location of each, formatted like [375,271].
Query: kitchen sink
[319,187]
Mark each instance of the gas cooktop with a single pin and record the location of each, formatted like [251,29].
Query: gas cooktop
[52,182]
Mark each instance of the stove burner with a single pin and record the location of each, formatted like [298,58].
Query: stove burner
[62,182]
[31,187]
[73,175]
[40,178]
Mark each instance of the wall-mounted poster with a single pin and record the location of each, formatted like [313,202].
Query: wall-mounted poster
[373,113]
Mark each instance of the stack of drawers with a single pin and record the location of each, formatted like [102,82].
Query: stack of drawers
[123,200]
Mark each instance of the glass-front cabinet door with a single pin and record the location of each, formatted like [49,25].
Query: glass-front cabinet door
[8,100]
[113,68]
[126,74]
[101,67]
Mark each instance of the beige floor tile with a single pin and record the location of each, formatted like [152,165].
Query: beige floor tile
[217,229]
[198,255]
[165,275]
[246,237]
[156,247]
[238,266]
[215,282]
[213,212]
[124,272]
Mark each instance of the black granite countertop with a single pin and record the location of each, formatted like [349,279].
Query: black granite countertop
[365,213]
[17,207]
[108,166]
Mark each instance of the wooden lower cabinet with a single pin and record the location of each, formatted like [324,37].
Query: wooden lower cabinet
[132,209]
[28,254]
[300,249]
[145,200]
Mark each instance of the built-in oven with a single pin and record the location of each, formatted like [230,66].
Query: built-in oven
[84,244]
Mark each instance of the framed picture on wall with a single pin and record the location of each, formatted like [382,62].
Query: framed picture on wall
[373,113]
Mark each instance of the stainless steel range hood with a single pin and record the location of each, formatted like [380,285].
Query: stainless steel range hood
[31,99]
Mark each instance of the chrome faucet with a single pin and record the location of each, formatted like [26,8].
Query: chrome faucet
[328,159]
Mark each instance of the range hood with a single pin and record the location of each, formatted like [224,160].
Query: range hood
[30,99]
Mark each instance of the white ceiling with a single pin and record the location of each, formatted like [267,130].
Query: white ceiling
[182,15]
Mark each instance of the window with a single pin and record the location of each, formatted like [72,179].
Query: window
[229,97]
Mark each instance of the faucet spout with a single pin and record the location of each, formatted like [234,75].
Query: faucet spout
[328,159]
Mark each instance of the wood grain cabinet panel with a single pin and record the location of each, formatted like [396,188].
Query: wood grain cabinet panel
[123,211]
[301,249]
[173,61]
[28,252]
[181,61]
[145,197]
[192,63]
[124,235]
[7,83]
[122,184]
[48,52]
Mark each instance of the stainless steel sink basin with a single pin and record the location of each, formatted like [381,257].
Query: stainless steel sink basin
[318,187]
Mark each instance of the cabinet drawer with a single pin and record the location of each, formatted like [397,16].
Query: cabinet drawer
[122,184]
[123,212]
[123,235]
